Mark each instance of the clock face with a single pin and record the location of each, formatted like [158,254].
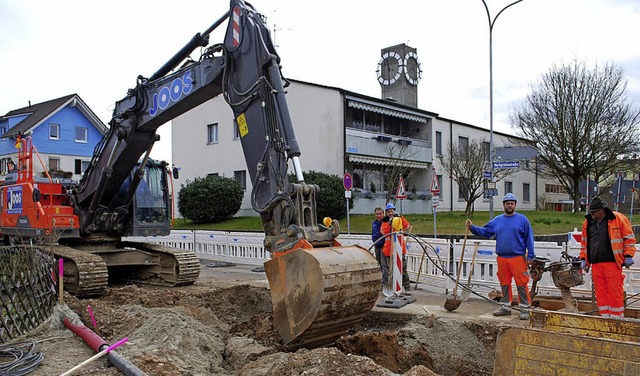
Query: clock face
[390,68]
[412,68]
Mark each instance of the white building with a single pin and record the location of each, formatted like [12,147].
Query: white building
[341,131]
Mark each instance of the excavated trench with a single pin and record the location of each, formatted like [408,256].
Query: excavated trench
[226,330]
[399,342]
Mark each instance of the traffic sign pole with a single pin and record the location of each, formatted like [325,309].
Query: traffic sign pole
[347,182]
[435,200]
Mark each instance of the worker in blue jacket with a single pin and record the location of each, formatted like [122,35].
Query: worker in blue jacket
[514,250]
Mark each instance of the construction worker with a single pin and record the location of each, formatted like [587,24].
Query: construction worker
[375,232]
[11,166]
[386,228]
[514,250]
[608,244]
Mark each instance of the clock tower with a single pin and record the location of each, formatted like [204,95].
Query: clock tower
[399,73]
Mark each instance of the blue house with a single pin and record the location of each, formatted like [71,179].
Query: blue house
[63,130]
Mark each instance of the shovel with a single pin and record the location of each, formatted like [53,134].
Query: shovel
[466,291]
[452,303]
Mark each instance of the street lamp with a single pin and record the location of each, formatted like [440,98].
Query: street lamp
[491,23]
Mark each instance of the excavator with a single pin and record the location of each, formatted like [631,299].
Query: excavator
[319,288]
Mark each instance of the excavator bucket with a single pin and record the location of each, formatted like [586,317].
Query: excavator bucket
[318,294]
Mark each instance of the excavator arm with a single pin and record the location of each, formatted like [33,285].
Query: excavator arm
[245,69]
[319,288]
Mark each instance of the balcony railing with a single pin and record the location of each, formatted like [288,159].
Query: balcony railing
[379,145]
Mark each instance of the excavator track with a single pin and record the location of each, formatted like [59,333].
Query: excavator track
[85,274]
[173,267]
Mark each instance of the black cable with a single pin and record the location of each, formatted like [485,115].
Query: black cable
[423,244]
[19,358]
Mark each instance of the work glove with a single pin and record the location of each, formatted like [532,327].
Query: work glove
[585,267]
[628,261]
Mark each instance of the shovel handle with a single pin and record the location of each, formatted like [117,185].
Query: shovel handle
[464,245]
[473,262]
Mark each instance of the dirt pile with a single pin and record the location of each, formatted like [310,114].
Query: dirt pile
[225,329]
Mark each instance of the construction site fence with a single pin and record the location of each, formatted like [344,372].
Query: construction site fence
[427,259]
[27,290]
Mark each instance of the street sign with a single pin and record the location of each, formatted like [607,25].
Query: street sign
[490,192]
[402,193]
[347,181]
[486,175]
[435,200]
[512,164]
[434,184]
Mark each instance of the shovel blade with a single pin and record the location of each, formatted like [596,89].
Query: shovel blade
[451,304]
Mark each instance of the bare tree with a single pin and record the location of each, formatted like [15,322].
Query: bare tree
[466,165]
[397,155]
[580,122]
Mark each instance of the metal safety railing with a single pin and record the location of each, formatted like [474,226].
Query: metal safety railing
[441,254]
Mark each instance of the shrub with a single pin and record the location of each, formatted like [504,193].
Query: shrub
[210,199]
[330,202]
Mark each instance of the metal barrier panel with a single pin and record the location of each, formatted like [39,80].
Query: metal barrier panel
[248,248]
[211,244]
[432,262]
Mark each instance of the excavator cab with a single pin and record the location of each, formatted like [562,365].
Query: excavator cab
[149,213]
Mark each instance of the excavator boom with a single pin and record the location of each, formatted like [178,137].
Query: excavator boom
[319,288]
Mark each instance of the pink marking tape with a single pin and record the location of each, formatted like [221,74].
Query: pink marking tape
[93,319]
[113,347]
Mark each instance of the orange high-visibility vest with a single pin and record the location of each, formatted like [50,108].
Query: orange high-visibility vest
[621,236]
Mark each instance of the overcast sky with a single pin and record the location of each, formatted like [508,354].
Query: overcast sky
[96,49]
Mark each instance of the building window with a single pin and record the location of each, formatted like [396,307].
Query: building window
[241,177]
[54,164]
[486,150]
[80,166]
[212,133]
[508,187]
[3,129]
[463,189]
[81,134]
[213,174]
[438,143]
[463,147]
[554,188]
[54,131]
[5,166]
[526,192]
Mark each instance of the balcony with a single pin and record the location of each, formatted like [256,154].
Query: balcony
[385,145]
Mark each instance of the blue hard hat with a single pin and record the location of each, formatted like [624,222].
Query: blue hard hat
[389,206]
[509,197]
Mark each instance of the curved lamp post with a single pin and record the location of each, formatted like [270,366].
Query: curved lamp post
[491,24]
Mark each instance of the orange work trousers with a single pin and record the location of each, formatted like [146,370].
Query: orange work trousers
[608,281]
[515,268]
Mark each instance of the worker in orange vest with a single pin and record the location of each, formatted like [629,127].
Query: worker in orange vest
[385,229]
[608,244]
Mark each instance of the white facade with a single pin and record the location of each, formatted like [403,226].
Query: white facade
[321,119]
[516,183]
[317,115]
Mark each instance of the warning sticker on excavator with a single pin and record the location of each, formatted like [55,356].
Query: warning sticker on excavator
[242,125]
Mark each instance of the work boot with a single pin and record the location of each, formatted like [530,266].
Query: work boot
[502,312]
[524,311]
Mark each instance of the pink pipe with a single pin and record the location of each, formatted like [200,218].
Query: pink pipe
[92,339]
[98,344]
